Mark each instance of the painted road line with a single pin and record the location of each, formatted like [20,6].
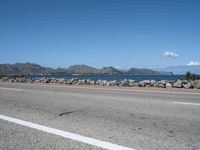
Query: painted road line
[68,135]
[134,90]
[12,89]
[118,89]
[185,103]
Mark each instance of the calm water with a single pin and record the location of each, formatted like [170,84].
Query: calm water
[112,77]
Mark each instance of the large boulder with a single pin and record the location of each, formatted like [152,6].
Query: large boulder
[144,83]
[113,83]
[103,83]
[45,80]
[153,82]
[177,84]
[168,85]
[196,84]
[162,82]
[160,85]
[131,82]
[125,82]
[93,82]
[81,82]
[52,80]
[4,79]
[108,83]
[98,82]
[22,79]
[156,84]
[61,81]
[187,86]
[73,81]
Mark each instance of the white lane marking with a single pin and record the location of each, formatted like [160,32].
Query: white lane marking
[69,135]
[134,90]
[13,89]
[184,103]
[113,89]
[125,90]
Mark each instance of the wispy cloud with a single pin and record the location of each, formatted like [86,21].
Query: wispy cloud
[170,54]
[193,63]
[141,36]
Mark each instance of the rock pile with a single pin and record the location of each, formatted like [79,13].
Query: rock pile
[129,83]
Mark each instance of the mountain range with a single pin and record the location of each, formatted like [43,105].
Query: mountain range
[179,70]
[31,68]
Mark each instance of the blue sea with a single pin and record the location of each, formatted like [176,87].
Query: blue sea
[112,77]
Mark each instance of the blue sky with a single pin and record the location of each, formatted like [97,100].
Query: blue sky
[121,33]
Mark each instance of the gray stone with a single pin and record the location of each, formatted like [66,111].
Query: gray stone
[113,83]
[103,83]
[125,82]
[162,82]
[136,84]
[93,82]
[196,84]
[185,81]
[88,82]
[61,81]
[73,81]
[160,85]
[168,85]
[177,84]
[153,82]
[81,82]
[187,86]
[4,79]
[145,83]
[156,84]
[108,83]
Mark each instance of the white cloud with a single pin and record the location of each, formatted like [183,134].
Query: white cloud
[169,54]
[193,63]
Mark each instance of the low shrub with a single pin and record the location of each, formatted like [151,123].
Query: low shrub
[190,76]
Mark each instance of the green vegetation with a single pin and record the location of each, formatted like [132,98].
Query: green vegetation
[190,76]
[1,76]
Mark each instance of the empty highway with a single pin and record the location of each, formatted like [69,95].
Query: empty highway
[72,117]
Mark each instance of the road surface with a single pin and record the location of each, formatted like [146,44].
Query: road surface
[65,117]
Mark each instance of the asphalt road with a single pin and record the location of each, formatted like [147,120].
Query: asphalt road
[142,120]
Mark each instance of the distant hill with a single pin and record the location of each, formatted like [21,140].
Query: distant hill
[30,68]
[24,68]
[138,71]
[82,69]
[110,70]
[181,69]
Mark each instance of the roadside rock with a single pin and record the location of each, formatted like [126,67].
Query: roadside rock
[168,85]
[81,82]
[61,81]
[187,86]
[156,84]
[113,83]
[145,83]
[196,84]
[178,84]
[125,82]
[162,82]
[153,82]
[130,83]
[4,79]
